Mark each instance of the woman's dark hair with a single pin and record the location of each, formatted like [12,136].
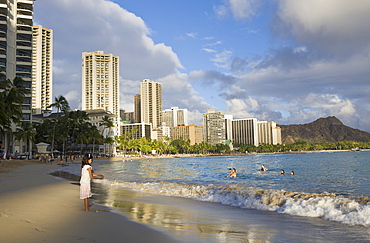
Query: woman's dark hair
[85,159]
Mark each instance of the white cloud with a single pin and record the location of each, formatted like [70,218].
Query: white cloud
[240,9]
[209,50]
[90,25]
[335,26]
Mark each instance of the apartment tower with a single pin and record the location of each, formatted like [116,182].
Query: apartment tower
[16,21]
[214,127]
[42,70]
[245,131]
[137,108]
[175,117]
[100,84]
[268,133]
[151,103]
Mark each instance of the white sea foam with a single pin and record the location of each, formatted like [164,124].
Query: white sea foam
[325,205]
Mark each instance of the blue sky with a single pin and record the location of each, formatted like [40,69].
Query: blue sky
[288,61]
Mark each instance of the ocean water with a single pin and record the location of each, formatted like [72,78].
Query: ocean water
[329,190]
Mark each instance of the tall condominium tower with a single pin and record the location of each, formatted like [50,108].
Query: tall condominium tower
[137,108]
[100,84]
[151,102]
[268,133]
[175,117]
[42,71]
[214,127]
[16,21]
[245,131]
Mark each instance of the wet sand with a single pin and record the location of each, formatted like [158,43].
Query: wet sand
[36,207]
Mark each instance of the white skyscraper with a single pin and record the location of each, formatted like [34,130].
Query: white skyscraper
[175,117]
[151,102]
[100,84]
[42,70]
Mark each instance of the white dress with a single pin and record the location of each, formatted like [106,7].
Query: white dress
[85,189]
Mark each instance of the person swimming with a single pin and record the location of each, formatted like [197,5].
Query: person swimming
[263,168]
[282,172]
[232,173]
[292,172]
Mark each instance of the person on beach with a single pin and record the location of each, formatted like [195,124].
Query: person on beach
[263,168]
[232,173]
[87,174]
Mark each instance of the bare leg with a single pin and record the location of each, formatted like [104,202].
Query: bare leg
[86,203]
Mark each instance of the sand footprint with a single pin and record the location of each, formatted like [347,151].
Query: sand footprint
[41,230]
[29,221]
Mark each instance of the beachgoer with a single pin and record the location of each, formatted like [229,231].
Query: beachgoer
[87,174]
[282,172]
[263,168]
[292,172]
[232,173]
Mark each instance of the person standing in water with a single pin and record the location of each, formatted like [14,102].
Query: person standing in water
[232,173]
[263,168]
[85,181]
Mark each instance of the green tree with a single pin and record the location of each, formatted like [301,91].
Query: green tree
[26,132]
[107,123]
[12,97]
[61,104]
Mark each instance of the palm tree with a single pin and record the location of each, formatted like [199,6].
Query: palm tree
[106,122]
[11,99]
[26,132]
[62,105]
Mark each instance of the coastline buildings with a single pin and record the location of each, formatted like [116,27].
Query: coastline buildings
[16,21]
[42,69]
[100,85]
[191,132]
[175,117]
[268,133]
[223,129]
[151,103]
[245,131]
[214,127]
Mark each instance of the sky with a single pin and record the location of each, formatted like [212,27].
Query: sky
[287,61]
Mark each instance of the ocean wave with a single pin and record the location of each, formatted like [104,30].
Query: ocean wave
[350,211]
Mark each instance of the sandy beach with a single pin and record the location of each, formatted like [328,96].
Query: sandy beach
[36,207]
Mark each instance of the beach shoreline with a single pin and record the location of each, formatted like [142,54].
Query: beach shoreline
[37,207]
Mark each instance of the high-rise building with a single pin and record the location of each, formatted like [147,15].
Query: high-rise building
[268,133]
[214,127]
[151,103]
[245,131]
[136,130]
[175,117]
[191,132]
[100,84]
[16,21]
[42,69]
[137,108]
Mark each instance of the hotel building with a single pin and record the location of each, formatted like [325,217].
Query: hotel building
[245,131]
[268,133]
[191,132]
[151,103]
[100,84]
[16,21]
[175,117]
[214,129]
[42,69]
